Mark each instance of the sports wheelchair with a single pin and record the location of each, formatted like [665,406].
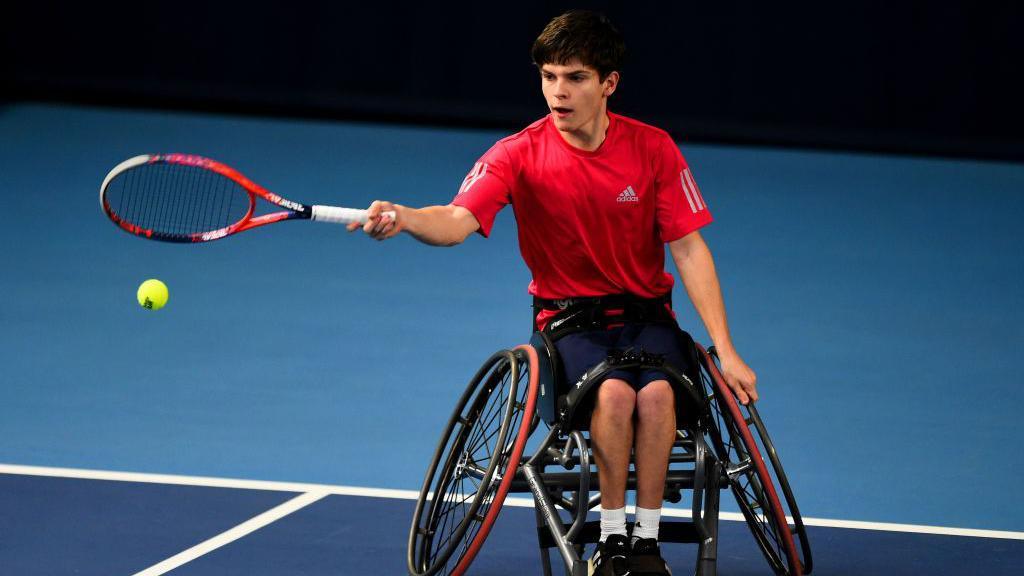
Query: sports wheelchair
[480,460]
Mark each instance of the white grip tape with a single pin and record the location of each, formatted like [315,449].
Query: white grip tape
[338,215]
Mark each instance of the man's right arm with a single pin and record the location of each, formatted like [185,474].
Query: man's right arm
[434,225]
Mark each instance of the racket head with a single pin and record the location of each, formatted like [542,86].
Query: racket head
[185,198]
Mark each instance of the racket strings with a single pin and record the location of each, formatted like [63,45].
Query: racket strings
[177,200]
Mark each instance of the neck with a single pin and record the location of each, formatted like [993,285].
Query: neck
[591,135]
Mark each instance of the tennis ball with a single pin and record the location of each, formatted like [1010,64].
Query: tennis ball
[152,294]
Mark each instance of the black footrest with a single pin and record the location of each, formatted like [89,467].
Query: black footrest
[674,531]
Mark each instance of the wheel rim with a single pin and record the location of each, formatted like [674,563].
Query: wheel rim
[768,448]
[521,426]
[749,478]
[489,415]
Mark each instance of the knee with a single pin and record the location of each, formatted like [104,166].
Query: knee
[655,400]
[616,398]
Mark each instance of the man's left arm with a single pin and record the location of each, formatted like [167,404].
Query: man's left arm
[697,270]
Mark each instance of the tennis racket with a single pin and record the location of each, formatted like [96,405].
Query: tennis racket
[187,198]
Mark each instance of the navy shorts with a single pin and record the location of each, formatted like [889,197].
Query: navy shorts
[582,351]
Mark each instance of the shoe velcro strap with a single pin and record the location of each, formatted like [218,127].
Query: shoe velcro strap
[612,566]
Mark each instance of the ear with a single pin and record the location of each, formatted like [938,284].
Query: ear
[611,82]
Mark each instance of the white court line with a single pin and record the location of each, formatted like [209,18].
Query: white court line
[830,523]
[327,489]
[249,526]
[205,481]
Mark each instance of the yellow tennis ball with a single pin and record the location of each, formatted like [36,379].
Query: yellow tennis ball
[152,294]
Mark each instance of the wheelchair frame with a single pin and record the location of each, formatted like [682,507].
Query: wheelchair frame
[439,544]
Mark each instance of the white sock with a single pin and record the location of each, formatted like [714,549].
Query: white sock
[613,522]
[647,522]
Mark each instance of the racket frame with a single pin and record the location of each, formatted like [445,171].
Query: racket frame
[293,210]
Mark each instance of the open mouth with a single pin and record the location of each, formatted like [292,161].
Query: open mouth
[561,111]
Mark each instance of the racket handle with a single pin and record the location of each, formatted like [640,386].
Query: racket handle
[336,215]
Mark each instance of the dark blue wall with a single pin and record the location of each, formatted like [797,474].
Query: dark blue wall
[935,77]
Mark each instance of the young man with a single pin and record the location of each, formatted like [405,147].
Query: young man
[596,197]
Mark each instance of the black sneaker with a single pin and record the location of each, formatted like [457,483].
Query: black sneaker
[645,559]
[611,557]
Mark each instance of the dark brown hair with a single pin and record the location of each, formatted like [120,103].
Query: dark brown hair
[581,35]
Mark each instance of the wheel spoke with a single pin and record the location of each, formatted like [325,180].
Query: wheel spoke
[472,465]
[739,443]
[474,442]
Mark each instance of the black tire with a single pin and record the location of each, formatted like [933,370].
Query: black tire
[789,501]
[473,466]
[755,483]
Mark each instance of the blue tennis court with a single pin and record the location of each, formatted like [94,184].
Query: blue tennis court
[298,379]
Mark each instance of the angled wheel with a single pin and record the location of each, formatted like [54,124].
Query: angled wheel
[741,440]
[474,464]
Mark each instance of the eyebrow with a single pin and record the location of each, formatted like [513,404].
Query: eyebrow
[569,73]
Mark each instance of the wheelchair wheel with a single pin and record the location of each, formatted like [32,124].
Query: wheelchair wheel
[474,464]
[740,447]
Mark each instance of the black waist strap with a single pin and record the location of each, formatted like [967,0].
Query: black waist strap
[601,312]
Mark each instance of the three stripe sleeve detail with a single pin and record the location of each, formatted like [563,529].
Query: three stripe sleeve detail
[693,195]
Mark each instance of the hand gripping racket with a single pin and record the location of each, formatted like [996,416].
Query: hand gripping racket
[187,198]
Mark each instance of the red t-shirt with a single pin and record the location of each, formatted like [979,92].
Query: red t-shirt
[590,223]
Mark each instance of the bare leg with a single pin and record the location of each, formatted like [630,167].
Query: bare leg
[611,434]
[655,434]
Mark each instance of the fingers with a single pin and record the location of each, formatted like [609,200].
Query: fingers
[739,390]
[751,390]
[741,379]
[386,228]
[373,216]
[379,225]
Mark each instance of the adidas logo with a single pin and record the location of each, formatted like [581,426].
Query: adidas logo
[628,195]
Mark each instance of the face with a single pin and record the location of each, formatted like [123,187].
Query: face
[575,94]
